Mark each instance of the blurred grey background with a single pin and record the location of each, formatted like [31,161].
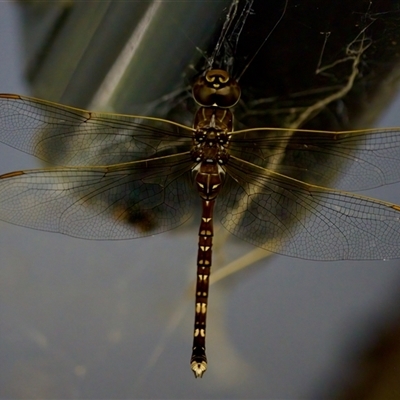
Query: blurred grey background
[91,319]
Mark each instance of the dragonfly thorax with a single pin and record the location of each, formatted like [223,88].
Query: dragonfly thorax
[210,147]
[210,143]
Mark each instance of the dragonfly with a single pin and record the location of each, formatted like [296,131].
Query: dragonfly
[124,177]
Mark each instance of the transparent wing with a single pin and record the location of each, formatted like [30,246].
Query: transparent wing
[291,217]
[361,159]
[69,136]
[117,202]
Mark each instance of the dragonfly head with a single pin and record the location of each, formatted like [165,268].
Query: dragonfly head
[216,88]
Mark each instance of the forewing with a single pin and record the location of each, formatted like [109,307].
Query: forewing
[352,160]
[118,202]
[290,217]
[68,136]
